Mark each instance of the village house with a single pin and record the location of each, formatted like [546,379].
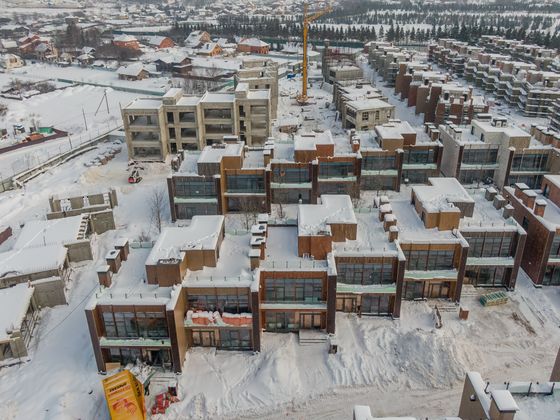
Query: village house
[197,38]
[159,42]
[126,41]
[253,46]
[136,71]
[209,49]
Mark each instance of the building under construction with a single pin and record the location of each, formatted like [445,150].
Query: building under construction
[338,63]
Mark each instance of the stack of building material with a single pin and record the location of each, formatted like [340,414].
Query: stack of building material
[495,298]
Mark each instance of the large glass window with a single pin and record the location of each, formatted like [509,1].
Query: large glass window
[489,246]
[292,175]
[419,156]
[529,162]
[293,290]
[135,325]
[375,305]
[235,339]
[429,259]
[251,183]
[192,187]
[377,163]
[552,276]
[335,169]
[480,156]
[416,176]
[487,276]
[365,274]
[281,321]
[555,248]
[222,303]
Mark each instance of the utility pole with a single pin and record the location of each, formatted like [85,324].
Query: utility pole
[84,114]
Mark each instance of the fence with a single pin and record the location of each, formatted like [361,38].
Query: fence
[38,159]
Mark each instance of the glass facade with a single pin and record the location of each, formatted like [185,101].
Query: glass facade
[488,276]
[377,163]
[233,304]
[420,259]
[377,182]
[529,162]
[366,273]
[489,246]
[293,290]
[193,187]
[419,156]
[245,183]
[135,325]
[480,156]
[335,169]
[552,276]
[235,339]
[290,175]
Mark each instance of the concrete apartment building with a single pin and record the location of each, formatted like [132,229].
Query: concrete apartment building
[261,74]
[514,72]
[353,90]
[537,210]
[397,155]
[530,53]
[364,115]
[339,64]
[490,150]
[386,60]
[155,128]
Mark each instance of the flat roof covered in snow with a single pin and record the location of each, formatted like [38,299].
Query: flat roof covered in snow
[49,232]
[14,303]
[441,193]
[31,260]
[202,233]
[143,103]
[309,141]
[367,104]
[334,209]
[215,153]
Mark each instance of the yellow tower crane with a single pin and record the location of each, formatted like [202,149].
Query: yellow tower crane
[307,19]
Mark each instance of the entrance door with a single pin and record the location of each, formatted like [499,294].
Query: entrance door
[414,290]
[438,290]
[310,321]
[346,304]
[375,305]
[204,338]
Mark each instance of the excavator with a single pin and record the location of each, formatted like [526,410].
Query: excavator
[307,19]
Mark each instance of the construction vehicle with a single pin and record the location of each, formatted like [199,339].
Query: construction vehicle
[125,396]
[134,177]
[307,19]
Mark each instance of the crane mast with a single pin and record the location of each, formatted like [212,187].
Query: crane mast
[307,19]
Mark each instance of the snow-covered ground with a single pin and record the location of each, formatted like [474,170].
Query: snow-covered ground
[379,360]
[377,357]
[69,109]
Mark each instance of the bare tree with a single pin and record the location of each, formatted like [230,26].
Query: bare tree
[157,204]
[249,210]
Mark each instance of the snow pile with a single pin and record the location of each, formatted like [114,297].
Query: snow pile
[372,352]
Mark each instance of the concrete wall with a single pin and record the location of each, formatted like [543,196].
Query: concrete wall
[102,221]
[79,251]
[49,292]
